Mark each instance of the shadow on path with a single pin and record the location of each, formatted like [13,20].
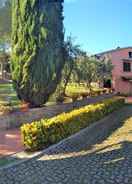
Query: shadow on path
[90,157]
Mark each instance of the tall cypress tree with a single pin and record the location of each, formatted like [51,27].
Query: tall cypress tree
[37,48]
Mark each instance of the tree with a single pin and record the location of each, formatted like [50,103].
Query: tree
[104,69]
[73,51]
[87,70]
[5,21]
[4,64]
[38,48]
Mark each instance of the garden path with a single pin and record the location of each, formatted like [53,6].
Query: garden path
[93,156]
[10,140]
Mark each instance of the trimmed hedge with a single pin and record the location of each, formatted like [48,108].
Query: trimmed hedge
[45,132]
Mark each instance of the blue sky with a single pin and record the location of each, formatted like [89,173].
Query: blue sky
[99,25]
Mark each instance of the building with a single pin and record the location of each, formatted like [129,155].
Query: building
[121,59]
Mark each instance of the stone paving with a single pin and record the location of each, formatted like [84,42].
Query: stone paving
[96,155]
[10,142]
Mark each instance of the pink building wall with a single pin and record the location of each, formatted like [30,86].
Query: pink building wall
[117,57]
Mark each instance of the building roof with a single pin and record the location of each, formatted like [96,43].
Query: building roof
[113,50]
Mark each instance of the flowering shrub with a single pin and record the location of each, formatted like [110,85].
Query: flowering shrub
[45,132]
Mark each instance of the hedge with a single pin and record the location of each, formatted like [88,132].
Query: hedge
[40,134]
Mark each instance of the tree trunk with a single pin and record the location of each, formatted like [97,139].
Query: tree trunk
[89,87]
[67,79]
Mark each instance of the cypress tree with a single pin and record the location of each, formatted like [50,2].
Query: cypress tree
[37,48]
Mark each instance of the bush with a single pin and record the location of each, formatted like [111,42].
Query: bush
[75,97]
[85,94]
[97,92]
[45,132]
[60,98]
[5,109]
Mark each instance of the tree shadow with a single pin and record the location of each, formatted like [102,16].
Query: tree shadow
[73,162]
[87,139]
[103,166]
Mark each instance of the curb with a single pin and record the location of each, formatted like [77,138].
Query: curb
[100,126]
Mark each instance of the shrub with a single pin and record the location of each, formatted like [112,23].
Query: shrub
[75,97]
[60,98]
[5,109]
[97,92]
[42,133]
[84,94]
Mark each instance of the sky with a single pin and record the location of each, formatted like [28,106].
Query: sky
[99,25]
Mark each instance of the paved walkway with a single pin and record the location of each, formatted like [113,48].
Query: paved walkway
[10,140]
[93,156]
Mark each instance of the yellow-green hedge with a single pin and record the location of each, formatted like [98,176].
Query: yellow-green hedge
[42,133]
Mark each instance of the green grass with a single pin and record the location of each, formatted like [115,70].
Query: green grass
[79,88]
[8,95]
[75,88]
[4,162]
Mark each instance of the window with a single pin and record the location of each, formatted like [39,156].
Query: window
[126,67]
[130,54]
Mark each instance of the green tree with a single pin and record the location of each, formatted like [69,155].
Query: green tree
[87,70]
[5,21]
[104,69]
[38,48]
[73,52]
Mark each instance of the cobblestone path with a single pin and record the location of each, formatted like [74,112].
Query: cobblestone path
[95,156]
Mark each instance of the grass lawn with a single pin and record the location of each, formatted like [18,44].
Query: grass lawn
[78,88]
[8,95]
[4,161]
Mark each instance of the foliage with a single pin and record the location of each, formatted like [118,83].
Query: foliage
[38,49]
[5,21]
[4,57]
[5,109]
[90,69]
[87,70]
[73,51]
[8,95]
[104,69]
[49,131]
[94,92]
